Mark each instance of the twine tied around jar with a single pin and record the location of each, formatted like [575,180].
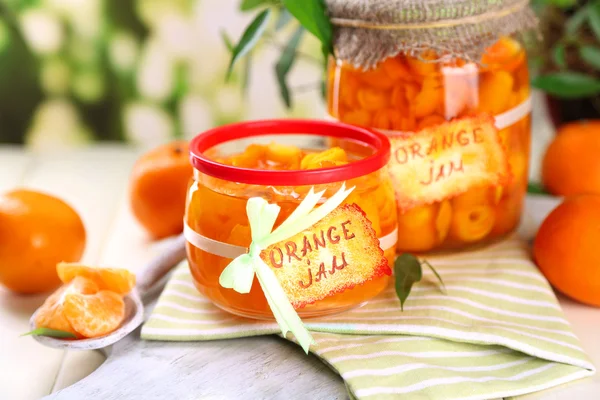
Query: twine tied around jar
[369,31]
[239,274]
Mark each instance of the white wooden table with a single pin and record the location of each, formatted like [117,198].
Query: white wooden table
[94,180]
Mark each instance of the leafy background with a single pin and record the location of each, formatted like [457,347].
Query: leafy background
[569,57]
[146,71]
[140,71]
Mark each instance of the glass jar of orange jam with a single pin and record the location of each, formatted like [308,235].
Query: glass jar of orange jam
[460,180]
[281,161]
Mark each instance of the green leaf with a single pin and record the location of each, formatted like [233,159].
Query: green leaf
[313,16]
[594,18]
[249,39]
[536,62]
[248,5]
[247,71]
[284,18]
[568,84]
[558,55]
[181,81]
[576,20]
[407,270]
[562,3]
[284,65]
[591,55]
[51,333]
[227,40]
[536,188]
[443,288]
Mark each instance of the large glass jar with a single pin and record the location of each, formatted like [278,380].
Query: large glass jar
[281,162]
[459,179]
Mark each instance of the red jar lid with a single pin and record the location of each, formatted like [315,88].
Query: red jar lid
[204,141]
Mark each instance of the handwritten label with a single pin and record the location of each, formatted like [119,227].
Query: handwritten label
[445,160]
[337,253]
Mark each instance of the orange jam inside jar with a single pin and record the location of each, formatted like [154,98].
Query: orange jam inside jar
[281,161]
[460,180]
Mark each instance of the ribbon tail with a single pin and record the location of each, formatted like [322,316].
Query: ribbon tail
[304,208]
[238,275]
[289,229]
[284,313]
[261,217]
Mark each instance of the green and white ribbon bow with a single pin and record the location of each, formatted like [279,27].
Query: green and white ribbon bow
[239,274]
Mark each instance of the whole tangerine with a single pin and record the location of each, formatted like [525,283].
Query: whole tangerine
[158,187]
[566,248]
[571,164]
[37,231]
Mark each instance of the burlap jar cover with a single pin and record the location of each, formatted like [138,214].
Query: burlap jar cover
[369,31]
[424,73]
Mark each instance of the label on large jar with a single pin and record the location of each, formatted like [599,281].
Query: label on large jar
[445,160]
[337,253]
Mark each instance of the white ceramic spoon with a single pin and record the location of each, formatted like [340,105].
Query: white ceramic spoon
[147,281]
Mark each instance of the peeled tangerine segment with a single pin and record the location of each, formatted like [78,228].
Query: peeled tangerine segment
[328,158]
[377,78]
[429,99]
[472,224]
[284,154]
[495,92]
[443,220]
[249,158]
[51,315]
[508,214]
[117,280]
[479,195]
[252,155]
[506,53]
[399,99]
[372,99]
[416,229]
[424,65]
[518,166]
[93,315]
[388,119]
[383,198]
[473,214]
[357,117]
[240,236]
[396,69]
[369,207]
[349,86]
[412,90]
[504,136]
[498,192]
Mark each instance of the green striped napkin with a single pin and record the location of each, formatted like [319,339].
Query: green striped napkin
[498,332]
